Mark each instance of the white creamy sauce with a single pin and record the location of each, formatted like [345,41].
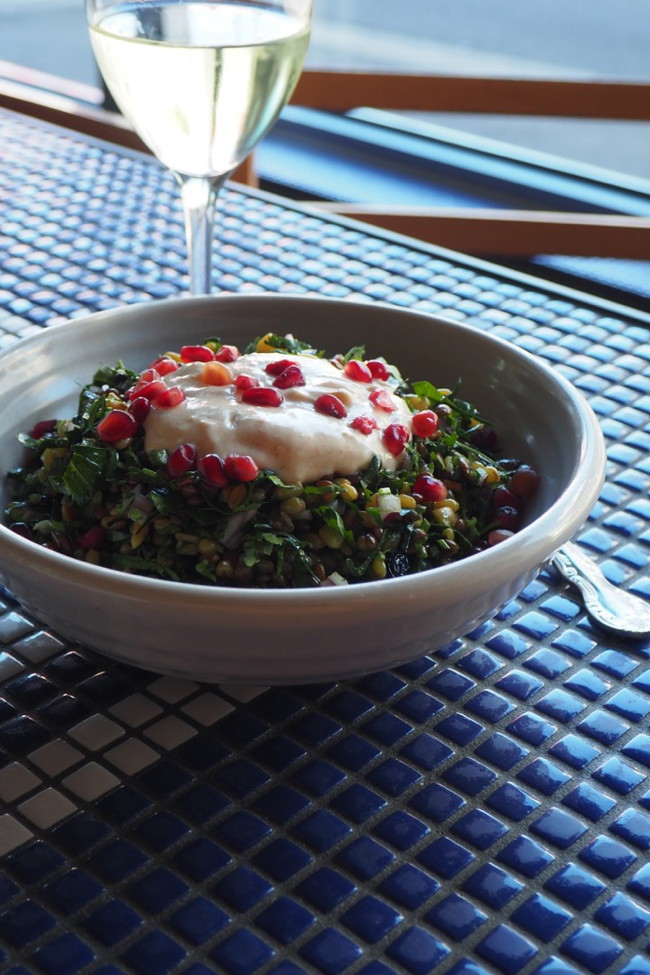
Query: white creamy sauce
[294,440]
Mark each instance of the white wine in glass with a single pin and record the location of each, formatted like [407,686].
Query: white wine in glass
[201,82]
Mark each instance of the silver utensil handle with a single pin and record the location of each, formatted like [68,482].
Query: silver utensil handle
[614,609]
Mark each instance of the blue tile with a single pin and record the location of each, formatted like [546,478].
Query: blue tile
[122,805]
[365,858]
[459,728]
[575,886]
[492,885]
[555,966]
[559,827]
[636,966]
[548,663]
[479,829]
[157,890]
[575,642]
[117,860]
[455,916]
[24,923]
[451,684]
[602,727]
[278,752]
[608,856]
[112,922]
[418,706]
[501,750]
[511,801]
[348,705]
[506,949]
[33,862]
[401,830]
[560,705]
[531,728]
[285,920]
[80,833]
[242,953]
[444,857]
[326,888]
[638,749]
[64,955]
[623,917]
[155,952]
[409,886]
[72,891]
[162,830]
[629,704]
[382,685]
[536,625]
[633,825]
[526,856]
[470,776]
[436,802]
[201,859]
[198,920]
[319,777]
[541,917]
[393,776]
[640,882]
[588,684]
[592,948]
[331,952]
[281,859]
[544,776]
[200,804]
[426,751]
[614,662]
[280,804]
[574,751]
[480,664]
[508,644]
[417,951]
[618,775]
[589,802]
[321,830]
[371,919]
[489,706]
[387,728]
[241,831]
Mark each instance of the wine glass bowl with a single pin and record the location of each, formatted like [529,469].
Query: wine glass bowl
[201,82]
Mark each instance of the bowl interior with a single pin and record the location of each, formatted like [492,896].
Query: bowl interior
[531,408]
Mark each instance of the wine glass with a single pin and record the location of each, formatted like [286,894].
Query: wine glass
[201,82]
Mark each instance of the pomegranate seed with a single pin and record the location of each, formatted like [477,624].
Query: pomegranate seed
[243,381]
[425,423]
[364,424]
[42,427]
[357,370]
[164,365]
[216,374]
[182,460]
[227,353]
[93,538]
[507,517]
[524,481]
[116,425]
[289,377]
[171,397]
[150,391]
[378,369]
[212,469]
[331,405]
[277,366]
[139,408]
[241,467]
[395,437]
[196,353]
[429,488]
[144,379]
[261,396]
[381,399]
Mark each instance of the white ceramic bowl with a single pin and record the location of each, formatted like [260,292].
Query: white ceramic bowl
[276,637]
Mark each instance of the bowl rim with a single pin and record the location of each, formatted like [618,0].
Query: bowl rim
[557,521]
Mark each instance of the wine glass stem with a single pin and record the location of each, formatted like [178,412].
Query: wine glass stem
[199,196]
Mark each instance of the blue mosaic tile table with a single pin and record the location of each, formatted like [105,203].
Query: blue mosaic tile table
[482,810]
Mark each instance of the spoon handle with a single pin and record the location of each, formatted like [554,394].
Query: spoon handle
[614,609]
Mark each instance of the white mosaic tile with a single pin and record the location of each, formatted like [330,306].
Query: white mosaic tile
[207,708]
[242,692]
[56,757]
[136,710]
[12,834]
[96,731]
[131,756]
[47,808]
[170,732]
[172,689]
[91,781]
[16,781]
[13,626]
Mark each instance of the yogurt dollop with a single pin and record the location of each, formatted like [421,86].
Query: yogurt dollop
[294,439]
